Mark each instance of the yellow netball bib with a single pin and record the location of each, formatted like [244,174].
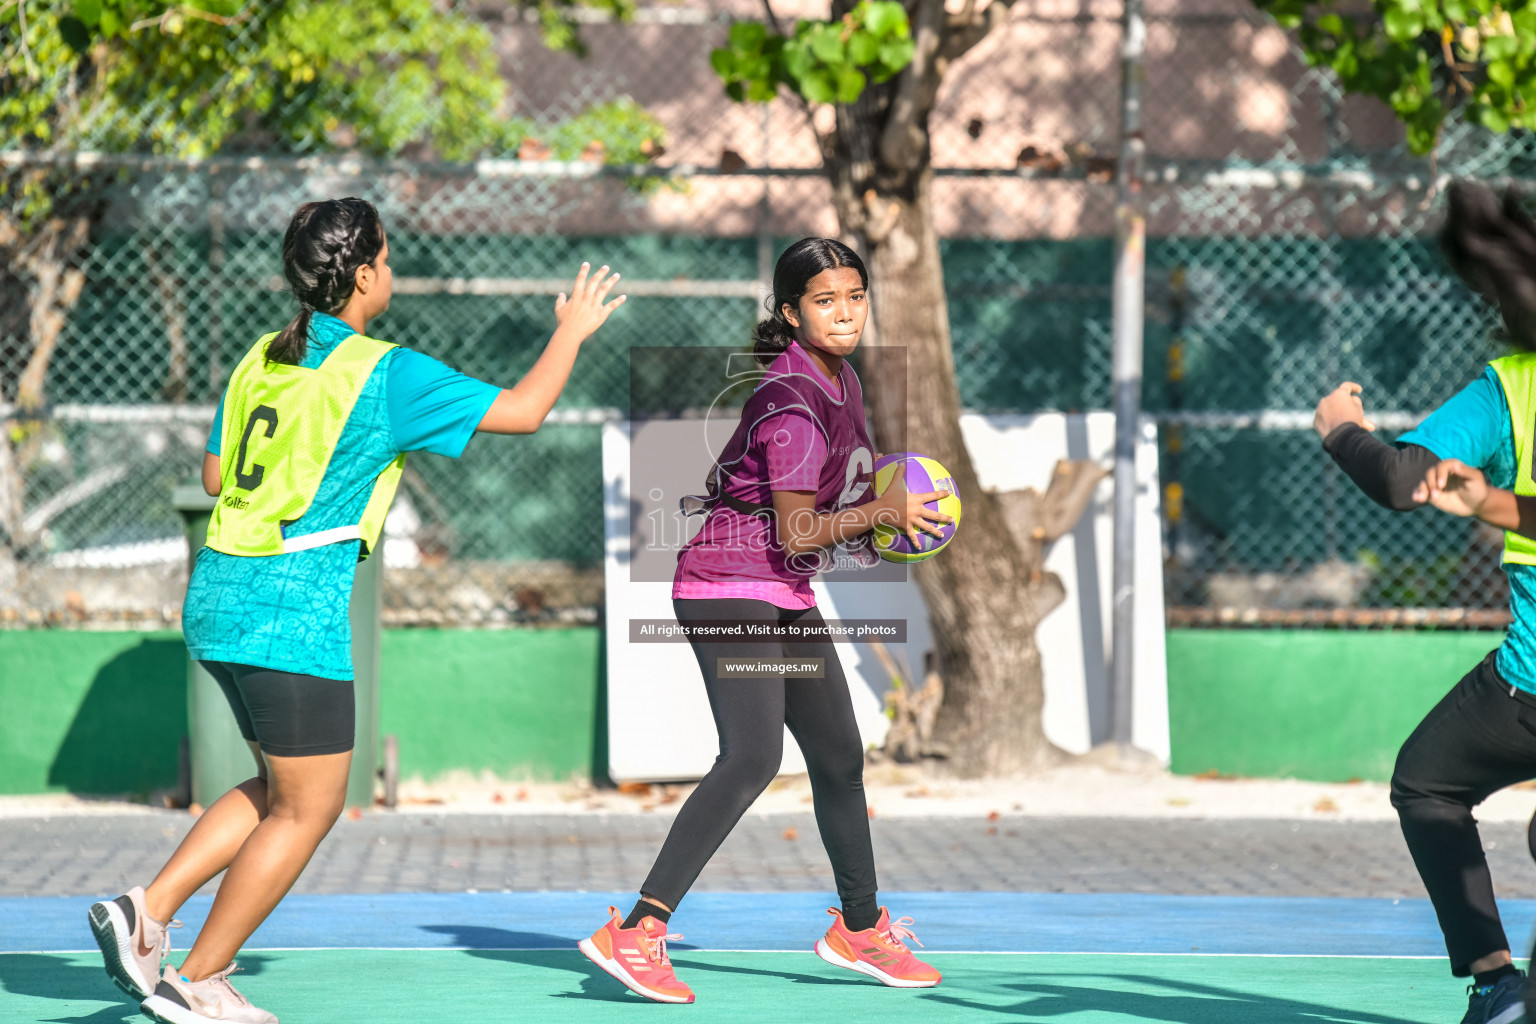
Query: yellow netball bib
[1517,374]
[281,425]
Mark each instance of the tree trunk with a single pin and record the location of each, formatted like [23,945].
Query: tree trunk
[50,261]
[985,594]
[41,260]
[982,602]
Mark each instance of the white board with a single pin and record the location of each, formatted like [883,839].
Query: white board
[659,723]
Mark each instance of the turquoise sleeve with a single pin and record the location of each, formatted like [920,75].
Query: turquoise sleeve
[1473,425]
[432,407]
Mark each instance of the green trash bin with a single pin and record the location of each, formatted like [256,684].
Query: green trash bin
[220,758]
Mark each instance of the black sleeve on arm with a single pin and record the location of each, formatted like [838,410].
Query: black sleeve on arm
[1387,475]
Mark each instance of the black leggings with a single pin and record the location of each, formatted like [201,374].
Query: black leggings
[1480,738]
[748,715]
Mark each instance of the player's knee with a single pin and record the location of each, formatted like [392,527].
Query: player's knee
[842,767]
[313,810]
[1404,790]
[255,790]
[754,767]
[1417,799]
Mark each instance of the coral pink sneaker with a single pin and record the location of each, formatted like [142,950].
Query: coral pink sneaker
[879,952]
[637,957]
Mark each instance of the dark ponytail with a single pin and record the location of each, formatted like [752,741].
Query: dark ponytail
[324,246]
[800,262]
[1491,244]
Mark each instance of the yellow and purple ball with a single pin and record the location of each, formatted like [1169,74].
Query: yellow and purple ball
[923,476]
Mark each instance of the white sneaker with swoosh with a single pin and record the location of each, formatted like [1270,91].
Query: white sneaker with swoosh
[179,1001]
[133,944]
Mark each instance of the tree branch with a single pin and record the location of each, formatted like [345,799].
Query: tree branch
[188,12]
[1067,497]
[903,143]
[1037,520]
[773,19]
[970,26]
[26,54]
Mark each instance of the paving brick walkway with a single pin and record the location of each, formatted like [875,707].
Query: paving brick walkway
[415,852]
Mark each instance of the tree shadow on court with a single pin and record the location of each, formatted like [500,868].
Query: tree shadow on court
[1179,1002]
[797,977]
[478,938]
[75,984]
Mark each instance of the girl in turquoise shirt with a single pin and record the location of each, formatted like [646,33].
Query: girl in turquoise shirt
[1482,736]
[273,630]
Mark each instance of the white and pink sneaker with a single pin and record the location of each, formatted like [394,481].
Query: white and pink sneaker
[880,952]
[133,944]
[637,957]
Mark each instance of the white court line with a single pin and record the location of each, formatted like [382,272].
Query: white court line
[959,952]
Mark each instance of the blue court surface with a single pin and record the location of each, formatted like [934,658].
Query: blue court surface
[1006,956]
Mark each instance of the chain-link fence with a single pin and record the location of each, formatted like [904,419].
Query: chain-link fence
[1290,248]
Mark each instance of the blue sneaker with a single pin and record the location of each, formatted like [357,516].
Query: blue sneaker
[1503,1002]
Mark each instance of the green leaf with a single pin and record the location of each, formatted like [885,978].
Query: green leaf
[724,63]
[1501,73]
[863,48]
[896,54]
[797,61]
[1500,47]
[1403,25]
[1422,137]
[748,36]
[1493,118]
[89,12]
[850,83]
[818,87]
[885,17]
[827,44]
[1332,24]
[1524,21]
[75,34]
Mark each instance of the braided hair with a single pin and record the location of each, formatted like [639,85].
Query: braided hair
[324,246]
[800,263]
[1491,244]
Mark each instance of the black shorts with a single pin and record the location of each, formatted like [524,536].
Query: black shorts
[288,714]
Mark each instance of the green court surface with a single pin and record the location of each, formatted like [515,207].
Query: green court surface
[331,986]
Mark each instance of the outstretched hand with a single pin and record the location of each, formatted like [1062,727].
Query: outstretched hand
[1340,406]
[585,311]
[1453,486]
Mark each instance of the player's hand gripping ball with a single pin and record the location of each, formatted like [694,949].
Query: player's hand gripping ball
[923,475]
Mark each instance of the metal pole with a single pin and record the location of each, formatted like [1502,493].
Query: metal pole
[1129,312]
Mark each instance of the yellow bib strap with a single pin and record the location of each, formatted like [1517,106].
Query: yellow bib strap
[281,426]
[1517,375]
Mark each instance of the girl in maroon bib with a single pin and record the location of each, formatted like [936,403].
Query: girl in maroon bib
[791,495]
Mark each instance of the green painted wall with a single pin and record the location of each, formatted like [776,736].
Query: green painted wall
[1311,704]
[91,712]
[88,712]
[514,702]
[104,712]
